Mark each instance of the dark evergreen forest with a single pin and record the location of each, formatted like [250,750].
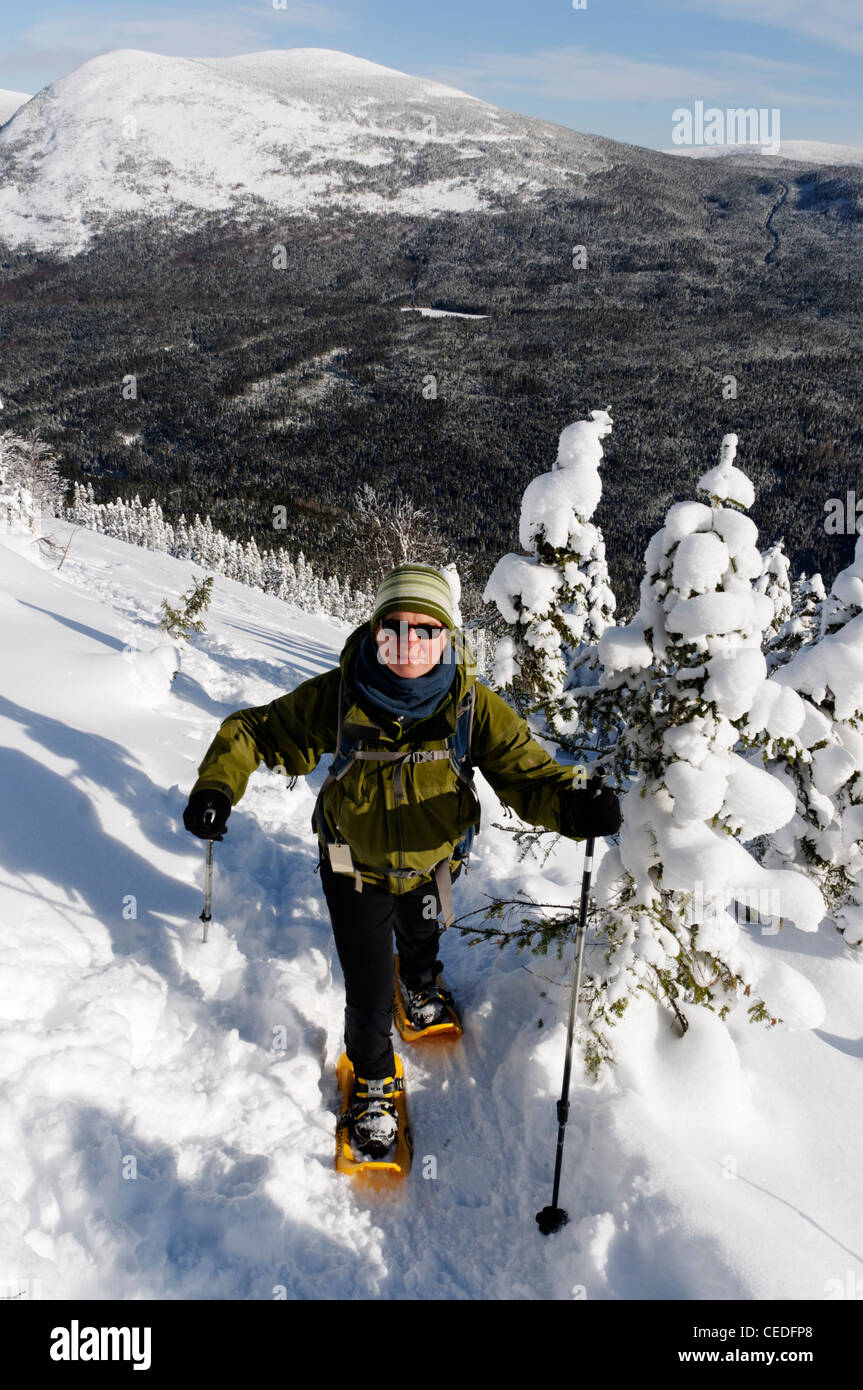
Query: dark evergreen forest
[259,386]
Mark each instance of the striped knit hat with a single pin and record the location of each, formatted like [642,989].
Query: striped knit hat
[415,589]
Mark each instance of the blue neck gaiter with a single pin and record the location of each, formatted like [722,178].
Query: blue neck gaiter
[405,698]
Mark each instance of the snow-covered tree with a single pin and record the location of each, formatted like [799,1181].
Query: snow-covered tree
[253,570]
[305,597]
[287,578]
[692,663]
[270,570]
[825,770]
[31,487]
[78,510]
[19,511]
[774,581]
[845,599]
[274,572]
[556,596]
[686,677]
[30,463]
[803,623]
[182,542]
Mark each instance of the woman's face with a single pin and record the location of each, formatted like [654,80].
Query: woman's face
[401,650]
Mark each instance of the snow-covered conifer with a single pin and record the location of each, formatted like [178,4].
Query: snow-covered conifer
[688,673]
[31,487]
[273,572]
[845,599]
[803,623]
[182,541]
[826,833]
[775,583]
[254,570]
[287,577]
[218,548]
[30,463]
[556,596]
[155,537]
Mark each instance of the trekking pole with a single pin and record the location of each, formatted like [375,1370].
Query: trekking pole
[553,1217]
[209,817]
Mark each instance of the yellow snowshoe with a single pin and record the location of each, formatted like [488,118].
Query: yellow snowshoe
[411,1007]
[361,1131]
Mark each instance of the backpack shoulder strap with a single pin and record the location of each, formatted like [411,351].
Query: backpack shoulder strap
[460,741]
[339,764]
[341,711]
[342,755]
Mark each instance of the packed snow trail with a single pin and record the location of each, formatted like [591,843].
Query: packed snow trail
[169,1106]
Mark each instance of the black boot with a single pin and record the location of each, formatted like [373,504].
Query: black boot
[372,1118]
[425,1002]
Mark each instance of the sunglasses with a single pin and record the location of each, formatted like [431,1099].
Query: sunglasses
[395,629]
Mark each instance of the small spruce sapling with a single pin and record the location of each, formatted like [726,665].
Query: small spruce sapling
[184,622]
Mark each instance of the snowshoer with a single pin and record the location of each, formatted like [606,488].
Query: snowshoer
[407,720]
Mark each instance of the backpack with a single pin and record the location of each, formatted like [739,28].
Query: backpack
[349,749]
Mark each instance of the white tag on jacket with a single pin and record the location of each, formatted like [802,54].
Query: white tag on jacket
[340,859]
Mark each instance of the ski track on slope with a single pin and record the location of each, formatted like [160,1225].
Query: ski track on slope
[132,1038]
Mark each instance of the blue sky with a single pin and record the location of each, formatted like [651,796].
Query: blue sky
[614,67]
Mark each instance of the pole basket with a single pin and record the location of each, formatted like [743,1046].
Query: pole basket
[550,1219]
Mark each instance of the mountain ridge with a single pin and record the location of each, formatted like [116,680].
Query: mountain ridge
[132,134]
[10,102]
[798,151]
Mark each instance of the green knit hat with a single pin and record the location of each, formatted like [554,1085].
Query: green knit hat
[415,589]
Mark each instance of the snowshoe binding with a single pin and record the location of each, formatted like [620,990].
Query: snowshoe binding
[372,1134]
[426,1010]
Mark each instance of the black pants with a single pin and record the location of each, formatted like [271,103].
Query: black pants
[363,926]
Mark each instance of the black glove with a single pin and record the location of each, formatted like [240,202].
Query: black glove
[591,810]
[196,820]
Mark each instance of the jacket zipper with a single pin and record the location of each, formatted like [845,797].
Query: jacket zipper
[399,826]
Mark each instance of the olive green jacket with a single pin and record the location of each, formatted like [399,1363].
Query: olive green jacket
[386,831]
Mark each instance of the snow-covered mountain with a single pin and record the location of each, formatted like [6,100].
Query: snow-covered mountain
[707,1167]
[10,102]
[135,134]
[801,151]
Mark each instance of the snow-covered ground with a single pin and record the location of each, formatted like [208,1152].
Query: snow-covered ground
[440,313]
[168,1106]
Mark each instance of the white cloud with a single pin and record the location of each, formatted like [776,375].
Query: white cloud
[581,74]
[777,66]
[62,44]
[838,23]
